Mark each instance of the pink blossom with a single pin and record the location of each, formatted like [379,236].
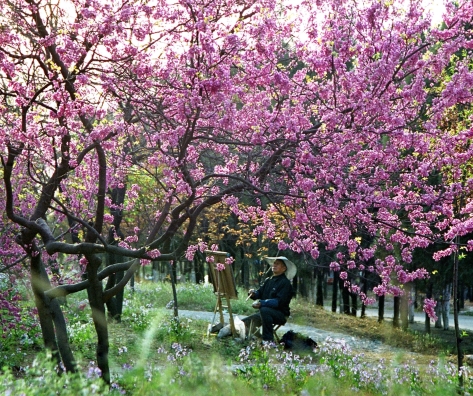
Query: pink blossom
[351,264]
[155,253]
[108,218]
[282,245]
[334,266]
[429,308]
[190,252]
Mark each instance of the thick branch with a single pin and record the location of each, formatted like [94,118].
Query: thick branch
[64,290]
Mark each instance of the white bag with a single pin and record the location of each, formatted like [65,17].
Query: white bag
[240,327]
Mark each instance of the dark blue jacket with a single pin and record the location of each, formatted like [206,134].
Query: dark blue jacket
[276,292]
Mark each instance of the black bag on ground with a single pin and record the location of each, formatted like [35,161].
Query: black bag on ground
[297,342]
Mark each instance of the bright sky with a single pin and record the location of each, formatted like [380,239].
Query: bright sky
[436,7]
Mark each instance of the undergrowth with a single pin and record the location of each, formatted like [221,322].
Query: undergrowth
[152,352]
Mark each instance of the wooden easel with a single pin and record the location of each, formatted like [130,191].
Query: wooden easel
[224,287]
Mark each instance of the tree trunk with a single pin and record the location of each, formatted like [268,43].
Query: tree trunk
[199,271]
[428,294]
[174,292]
[461,296]
[364,289]
[405,307]
[320,291]
[412,302]
[397,304]
[438,312]
[345,298]
[446,306]
[381,300]
[335,291]
[51,318]
[455,319]
[354,303]
[97,305]
[295,285]
[115,304]
[245,269]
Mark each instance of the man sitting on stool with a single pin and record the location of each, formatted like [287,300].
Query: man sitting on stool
[274,297]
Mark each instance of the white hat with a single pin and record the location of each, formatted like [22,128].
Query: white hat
[291,267]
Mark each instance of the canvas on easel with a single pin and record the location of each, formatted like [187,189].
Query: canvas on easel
[224,285]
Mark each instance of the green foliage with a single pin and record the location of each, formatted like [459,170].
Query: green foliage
[42,378]
[195,297]
[82,337]
[167,330]
[202,298]
[155,295]
[163,355]
[19,335]
[423,341]
[268,367]
[189,375]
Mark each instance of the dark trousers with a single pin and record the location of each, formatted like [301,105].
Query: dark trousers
[266,317]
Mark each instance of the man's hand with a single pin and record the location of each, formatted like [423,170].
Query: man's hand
[251,293]
[256,305]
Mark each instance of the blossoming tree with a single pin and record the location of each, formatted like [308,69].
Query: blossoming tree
[92,91]
[340,117]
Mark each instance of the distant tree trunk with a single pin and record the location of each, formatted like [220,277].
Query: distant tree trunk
[115,304]
[173,285]
[437,295]
[412,302]
[132,283]
[438,312]
[335,291]
[405,307]
[173,271]
[446,306]
[354,303]
[245,270]
[325,284]
[154,267]
[458,335]
[461,296]
[397,304]
[428,294]
[199,271]
[302,283]
[364,289]
[381,300]
[345,298]
[295,285]
[320,292]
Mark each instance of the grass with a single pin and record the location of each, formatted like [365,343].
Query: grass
[152,298]
[153,353]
